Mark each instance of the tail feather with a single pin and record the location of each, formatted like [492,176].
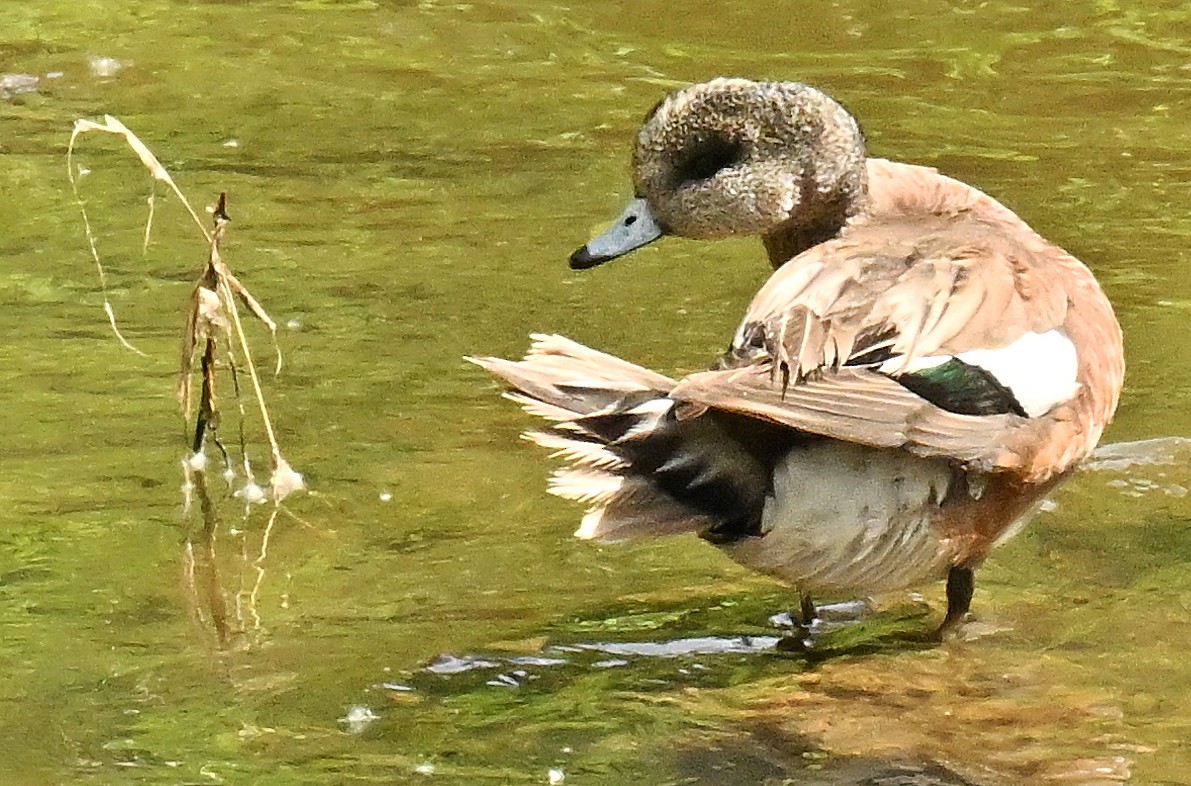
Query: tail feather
[571,357]
[587,454]
[561,376]
[640,512]
[642,469]
[595,487]
[541,409]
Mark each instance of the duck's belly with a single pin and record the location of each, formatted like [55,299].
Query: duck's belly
[846,518]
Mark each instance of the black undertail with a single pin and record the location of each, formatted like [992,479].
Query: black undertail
[717,464]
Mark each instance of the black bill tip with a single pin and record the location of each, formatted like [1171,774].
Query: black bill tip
[583,259]
[636,227]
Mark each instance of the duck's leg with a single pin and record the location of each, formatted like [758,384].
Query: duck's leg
[799,639]
[806,612]
[961,582]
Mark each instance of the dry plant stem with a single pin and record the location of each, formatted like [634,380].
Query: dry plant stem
[213,311]
[255,307]
[203,318]
[152,201]
[235,374]
[189,343]
[206,414]
[225,291]
[217,278]
[113,126]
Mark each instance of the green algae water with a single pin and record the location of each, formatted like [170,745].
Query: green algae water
[406,180]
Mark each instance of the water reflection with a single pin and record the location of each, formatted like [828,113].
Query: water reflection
[943,716]
[224,606]
[866,709]
[762,754]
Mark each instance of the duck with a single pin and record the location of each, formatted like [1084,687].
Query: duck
[919,372]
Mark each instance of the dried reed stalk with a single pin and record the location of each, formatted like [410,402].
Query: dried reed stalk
[213,320]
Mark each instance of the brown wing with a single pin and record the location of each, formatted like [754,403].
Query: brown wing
[937,268]
[902,287]
[857,405]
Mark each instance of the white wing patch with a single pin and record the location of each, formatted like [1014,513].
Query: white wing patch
[1039,369]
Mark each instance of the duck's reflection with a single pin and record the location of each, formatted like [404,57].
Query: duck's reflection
[897,716]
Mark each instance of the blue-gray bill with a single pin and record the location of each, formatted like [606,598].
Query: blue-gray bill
[634,228]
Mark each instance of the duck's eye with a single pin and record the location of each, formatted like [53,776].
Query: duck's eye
[707,157]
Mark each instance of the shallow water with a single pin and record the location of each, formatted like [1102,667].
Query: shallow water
[405,181]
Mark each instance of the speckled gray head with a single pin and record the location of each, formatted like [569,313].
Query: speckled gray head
[735,157]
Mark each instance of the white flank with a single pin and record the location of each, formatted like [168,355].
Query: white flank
[846,518]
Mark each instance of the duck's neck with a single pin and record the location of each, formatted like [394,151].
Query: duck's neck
[818,217]
[808,229]
[785,244]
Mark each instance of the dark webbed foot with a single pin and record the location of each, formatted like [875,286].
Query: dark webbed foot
[806,611]
[961,582]
[803,621]
[812,622]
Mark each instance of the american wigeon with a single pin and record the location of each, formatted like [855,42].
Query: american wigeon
[921,369]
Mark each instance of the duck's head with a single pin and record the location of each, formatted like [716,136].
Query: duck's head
[735,157]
